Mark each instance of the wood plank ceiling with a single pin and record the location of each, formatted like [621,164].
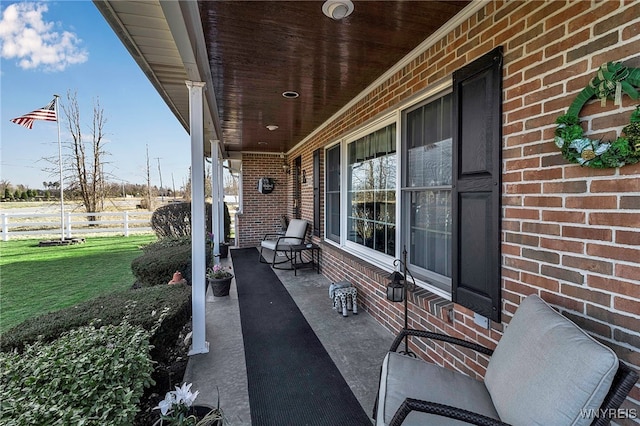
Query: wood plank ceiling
[259,49]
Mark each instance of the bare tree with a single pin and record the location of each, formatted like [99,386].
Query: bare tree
[87,157]
[230,183]
[147,201]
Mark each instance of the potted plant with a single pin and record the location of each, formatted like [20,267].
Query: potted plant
[224,246]
[219,279]
[177,409]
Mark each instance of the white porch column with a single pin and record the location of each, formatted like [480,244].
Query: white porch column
[198,246]
[215,200]
[221,195]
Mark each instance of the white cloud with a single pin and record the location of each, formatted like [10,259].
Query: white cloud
[35,43]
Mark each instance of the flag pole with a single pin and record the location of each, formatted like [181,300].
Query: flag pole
[61,181]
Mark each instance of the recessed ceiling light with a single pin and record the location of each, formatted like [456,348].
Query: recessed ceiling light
[337,9]
[272,127]
[262,143]
[290,94]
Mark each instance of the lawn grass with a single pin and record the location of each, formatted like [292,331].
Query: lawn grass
[36,280]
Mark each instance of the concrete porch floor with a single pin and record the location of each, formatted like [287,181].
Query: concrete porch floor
[357,344]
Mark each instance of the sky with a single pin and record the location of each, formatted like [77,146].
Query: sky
[60,46]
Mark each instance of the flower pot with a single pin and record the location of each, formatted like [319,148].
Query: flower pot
[205,416]
[220,286]
[202,414]
[224,250]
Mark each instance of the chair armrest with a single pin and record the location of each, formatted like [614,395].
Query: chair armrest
[436,336]
[623,382]
[411,404]
[271,236]
[289,238]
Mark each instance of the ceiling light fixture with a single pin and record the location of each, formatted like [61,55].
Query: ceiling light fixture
[290,94]
[272,127]
[337,9]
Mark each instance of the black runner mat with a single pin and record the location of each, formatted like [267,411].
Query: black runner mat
[291,377]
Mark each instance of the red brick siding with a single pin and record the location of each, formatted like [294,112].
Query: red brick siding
[570,234]
[261,213]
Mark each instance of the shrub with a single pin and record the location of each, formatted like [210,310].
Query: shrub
[227,223]
[167,242]
[139,307]
[91,376]
[156,266]
[174,220]
[162,258]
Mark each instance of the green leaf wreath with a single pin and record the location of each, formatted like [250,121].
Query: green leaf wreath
[612,80]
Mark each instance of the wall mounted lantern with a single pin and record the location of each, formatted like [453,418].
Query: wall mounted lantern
[285,166]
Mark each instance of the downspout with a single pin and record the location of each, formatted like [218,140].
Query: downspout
[199,345]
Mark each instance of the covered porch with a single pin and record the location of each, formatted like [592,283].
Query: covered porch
[423,125]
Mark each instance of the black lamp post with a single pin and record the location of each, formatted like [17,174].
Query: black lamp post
[397,291]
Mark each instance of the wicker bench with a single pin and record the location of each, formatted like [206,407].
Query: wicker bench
[545,370]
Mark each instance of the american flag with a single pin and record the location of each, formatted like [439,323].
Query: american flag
[46,113]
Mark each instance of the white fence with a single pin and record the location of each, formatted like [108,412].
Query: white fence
[75,224]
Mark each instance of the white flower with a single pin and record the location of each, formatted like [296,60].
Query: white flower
[166,404]
[177,402]
[184,395]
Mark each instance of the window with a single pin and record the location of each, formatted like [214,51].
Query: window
[371,190]
[333,193]
[426,189]
[449,188]
[316,192]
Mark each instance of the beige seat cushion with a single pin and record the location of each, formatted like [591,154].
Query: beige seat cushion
[546,370]
[295,235]
[403,377]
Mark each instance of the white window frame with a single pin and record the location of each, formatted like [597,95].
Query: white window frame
[375,258]
[442,282]
[326,185]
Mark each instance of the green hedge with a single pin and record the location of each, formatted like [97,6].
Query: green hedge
[174,220]
[163,243]
[161,259]
[139,307]
[156,267]
[89,376]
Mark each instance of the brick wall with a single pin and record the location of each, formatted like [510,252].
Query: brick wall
[570,234]
[261,213]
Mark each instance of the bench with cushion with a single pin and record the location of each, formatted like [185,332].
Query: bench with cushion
[544,371]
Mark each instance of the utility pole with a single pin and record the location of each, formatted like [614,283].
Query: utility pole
[160,173]
[148,181]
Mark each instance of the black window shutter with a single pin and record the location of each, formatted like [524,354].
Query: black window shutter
[477,141]
[316,192]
